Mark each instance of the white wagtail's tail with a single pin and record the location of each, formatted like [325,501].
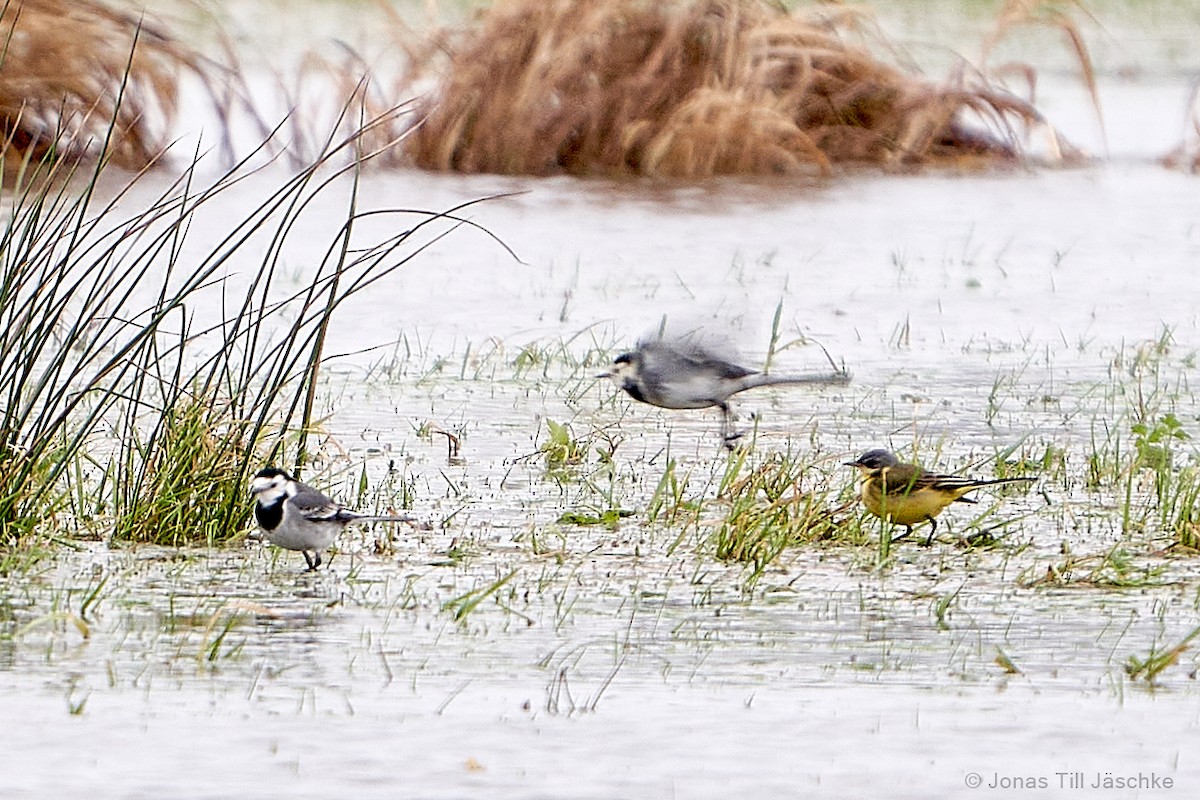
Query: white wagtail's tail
[350,516]
[839,378]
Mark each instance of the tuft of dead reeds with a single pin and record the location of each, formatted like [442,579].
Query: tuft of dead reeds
[81,80]
[1186,155]
[691,89]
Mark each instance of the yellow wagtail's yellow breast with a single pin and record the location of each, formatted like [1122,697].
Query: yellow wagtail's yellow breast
[908,501]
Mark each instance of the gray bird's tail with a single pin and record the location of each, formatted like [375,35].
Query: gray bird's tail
[350,516]
[838,378]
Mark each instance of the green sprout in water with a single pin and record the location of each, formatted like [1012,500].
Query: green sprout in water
[562,450]
[609,518]
[1158,660]
[462,606]
[1153,441]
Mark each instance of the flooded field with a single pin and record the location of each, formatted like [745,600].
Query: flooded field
[1034,317]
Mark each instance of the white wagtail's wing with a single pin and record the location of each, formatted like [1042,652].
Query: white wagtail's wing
[718,366]
[682,359]
[658,366]
[315,506]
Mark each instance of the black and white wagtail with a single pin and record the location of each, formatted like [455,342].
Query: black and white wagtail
[295,516]
[684,374]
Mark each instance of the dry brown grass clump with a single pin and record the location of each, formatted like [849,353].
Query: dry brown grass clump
[1186,155]
[690,89]
[70,72]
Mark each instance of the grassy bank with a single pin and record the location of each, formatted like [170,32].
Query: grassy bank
[129,409]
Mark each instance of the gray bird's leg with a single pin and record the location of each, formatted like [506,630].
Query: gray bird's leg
[728,434]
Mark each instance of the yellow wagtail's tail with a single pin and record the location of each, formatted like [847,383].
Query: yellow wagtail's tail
[960,486]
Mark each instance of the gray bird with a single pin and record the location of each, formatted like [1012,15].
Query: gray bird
[295,516]
[683,375]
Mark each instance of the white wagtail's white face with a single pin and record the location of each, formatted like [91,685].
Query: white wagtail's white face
[623,371]
[269,486]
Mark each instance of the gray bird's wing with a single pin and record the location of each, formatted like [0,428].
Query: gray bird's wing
[664,361]
[316,506]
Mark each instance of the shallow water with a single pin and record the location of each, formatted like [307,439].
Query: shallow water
[975,311]
[354,681]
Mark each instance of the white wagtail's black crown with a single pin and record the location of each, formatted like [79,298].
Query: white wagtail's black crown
[272,472]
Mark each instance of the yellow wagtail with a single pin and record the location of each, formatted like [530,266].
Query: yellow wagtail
[907,495]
